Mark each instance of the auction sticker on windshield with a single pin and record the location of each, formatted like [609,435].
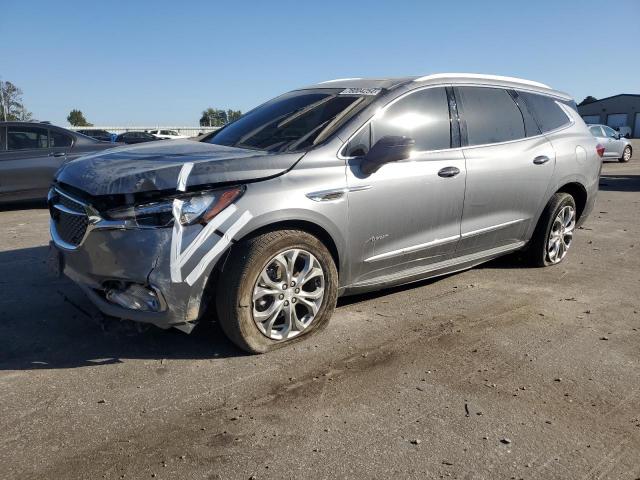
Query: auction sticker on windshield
[361,91]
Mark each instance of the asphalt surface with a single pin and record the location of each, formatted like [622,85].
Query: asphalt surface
[501,371]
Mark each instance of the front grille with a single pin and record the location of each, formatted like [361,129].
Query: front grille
[71,228]
[70,204]
[68,217]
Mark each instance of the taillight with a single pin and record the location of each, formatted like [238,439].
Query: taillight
[600,150]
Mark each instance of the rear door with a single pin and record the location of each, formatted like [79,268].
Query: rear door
[26,166]
[407,214]
[509,167]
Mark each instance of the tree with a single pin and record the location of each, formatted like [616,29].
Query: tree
[233,115]
[215,117]
[76,118]
[11,106]
[587,100]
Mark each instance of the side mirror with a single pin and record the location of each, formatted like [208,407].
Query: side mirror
[616,136]
[387,149]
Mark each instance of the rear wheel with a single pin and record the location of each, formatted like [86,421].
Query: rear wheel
[553,235]
[275,289]
[626,154]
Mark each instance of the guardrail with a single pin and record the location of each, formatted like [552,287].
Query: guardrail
[188,131]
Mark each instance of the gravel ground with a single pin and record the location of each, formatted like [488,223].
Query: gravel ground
[501,371]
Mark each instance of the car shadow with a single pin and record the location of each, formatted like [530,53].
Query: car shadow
[620,183]
[47,322]
[23,205]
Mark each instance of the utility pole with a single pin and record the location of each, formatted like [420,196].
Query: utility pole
[4,105]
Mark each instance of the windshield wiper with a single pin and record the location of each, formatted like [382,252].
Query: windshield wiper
[306,109]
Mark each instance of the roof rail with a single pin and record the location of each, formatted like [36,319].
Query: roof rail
[481,76]
[340,80]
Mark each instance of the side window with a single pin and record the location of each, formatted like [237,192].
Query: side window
[609,132]
[596,131]
[423,116]
[25,138]
[490,115]
[57,139]
[546,111]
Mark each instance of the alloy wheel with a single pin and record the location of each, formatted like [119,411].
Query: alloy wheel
[626,154]
[288,294]
[561,234]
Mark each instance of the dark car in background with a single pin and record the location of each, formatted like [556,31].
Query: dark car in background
[96,133]
[31,153]
[135,137]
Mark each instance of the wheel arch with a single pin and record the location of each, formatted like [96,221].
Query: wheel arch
[579,194]
[298,224]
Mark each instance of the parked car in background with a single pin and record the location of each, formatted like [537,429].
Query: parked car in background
[31,153]
[624,131]
[135,137]
[98,134]
[166,134]
[615,146]
[342,187]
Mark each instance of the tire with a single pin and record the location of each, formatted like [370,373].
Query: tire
[539,251]
[626,154]
[243,273]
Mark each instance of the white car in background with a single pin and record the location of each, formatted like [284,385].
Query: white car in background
[166,134]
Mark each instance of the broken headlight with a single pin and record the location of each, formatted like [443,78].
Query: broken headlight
[188,209]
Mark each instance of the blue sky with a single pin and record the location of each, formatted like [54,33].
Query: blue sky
[163,62]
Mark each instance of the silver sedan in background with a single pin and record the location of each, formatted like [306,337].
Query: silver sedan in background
[615,146]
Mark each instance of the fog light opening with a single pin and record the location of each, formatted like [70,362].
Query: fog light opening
[135,297]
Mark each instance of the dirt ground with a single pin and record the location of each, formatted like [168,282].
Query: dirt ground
[498,372]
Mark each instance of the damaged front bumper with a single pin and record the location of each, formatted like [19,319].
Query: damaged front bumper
[126,274]
[126,271]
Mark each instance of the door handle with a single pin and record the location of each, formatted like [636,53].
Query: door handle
[448,172]
[58,154]
[541,160]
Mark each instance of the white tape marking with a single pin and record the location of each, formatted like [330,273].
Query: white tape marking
[205,233]
[184,175]
[219,247]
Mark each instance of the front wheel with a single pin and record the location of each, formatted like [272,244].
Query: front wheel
[626,154]
[553,235]
[276,288]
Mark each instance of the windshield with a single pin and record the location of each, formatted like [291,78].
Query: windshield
[294,121]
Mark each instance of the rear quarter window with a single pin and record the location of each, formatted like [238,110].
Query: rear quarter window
[546,111]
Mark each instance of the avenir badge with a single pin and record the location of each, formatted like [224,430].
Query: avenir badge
[361,91]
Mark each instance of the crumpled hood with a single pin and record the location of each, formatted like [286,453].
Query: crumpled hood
[157,165]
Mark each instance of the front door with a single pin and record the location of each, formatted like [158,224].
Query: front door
[407,214]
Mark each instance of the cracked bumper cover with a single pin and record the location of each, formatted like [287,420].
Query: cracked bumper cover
[139,256]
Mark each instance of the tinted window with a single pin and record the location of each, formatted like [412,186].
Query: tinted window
[490,114]
[596,132]
[57,139]
[423,116]
[22,138]
[546,111]
[292,122]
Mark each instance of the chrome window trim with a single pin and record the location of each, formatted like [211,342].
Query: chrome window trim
[556,97]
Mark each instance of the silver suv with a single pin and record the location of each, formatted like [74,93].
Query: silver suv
[346,186]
